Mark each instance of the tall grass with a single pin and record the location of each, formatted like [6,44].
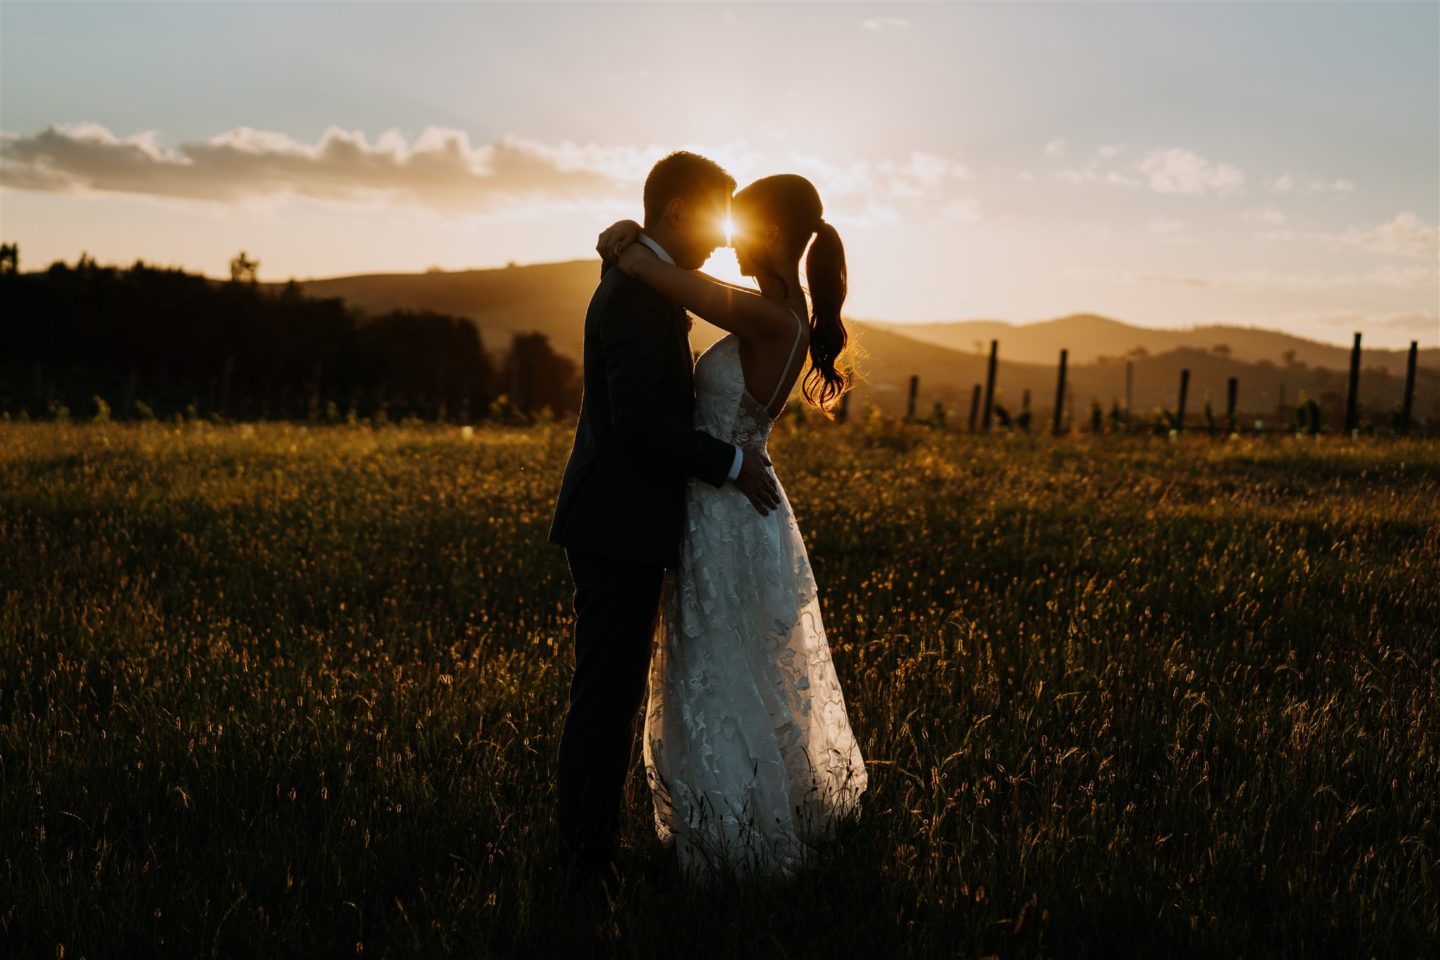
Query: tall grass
[297,691]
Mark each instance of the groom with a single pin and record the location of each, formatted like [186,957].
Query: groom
[622,501]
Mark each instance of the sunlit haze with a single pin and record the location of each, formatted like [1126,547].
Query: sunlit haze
[1268,164]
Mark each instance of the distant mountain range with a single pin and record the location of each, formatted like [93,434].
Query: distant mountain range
[1091,338]
[950,358]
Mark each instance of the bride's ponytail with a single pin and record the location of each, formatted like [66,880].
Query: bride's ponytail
[825,276]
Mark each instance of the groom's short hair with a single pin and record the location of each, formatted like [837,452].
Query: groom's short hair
[685,175]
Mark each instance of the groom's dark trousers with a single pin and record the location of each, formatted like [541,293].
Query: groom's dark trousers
[619,516]
[616,604]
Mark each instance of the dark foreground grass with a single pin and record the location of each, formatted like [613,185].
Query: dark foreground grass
[284,691]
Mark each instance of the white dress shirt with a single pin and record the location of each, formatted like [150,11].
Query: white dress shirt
[660,252]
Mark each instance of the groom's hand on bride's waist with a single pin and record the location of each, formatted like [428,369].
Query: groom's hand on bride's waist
[756,483]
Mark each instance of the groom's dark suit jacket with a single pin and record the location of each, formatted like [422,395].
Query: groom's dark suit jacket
[623,494]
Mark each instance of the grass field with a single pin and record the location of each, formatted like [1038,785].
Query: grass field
[275,690]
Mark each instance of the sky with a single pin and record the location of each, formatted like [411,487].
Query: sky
[1270,164]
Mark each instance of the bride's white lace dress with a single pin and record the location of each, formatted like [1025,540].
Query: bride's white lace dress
[748,748]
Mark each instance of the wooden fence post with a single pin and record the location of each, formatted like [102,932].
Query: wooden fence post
[1409,388]
[974,406]
[989,386]
[1060,392]
[914,390]
[1350,419]
[1184,388]
[1232,387]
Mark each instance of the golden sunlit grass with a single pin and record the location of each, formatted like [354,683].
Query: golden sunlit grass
[284,690]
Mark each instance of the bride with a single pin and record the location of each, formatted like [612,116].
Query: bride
[748,748]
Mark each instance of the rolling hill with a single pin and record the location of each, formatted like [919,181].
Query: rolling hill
[551,298]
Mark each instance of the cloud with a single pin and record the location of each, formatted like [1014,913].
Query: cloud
[441,169]
[885,23]
[1177,170]
[873,190]
[1167,170]
[1164,171]
[1404,235]
[1287,183]
[1056,148]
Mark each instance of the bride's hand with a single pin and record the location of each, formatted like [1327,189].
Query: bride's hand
[615,238]
[633,258]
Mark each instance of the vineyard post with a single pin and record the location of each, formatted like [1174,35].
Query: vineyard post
[1409,388]
[1060,392]
[1350,419]
[914,389]
[1184,388]
[1232,387]
[974,406]
[989,386]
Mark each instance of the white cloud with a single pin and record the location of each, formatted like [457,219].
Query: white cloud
[1287,183]
[1172,170]
[1404,235]
[1177,170]
[441,169]
[919,176]
[1056,148]
[885,23]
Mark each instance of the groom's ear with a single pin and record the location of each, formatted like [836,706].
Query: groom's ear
[674,211]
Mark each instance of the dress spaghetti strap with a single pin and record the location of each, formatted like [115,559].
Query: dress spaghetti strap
[799,332]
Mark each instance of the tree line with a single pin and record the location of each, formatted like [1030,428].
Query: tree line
[158,342]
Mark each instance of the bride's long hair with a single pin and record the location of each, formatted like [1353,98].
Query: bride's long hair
[792,204]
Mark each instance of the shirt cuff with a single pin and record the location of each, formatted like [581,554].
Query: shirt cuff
[735,467]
